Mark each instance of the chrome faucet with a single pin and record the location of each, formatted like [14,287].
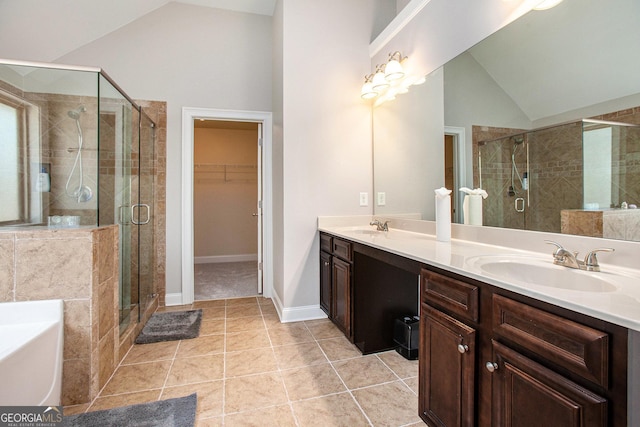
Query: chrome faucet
[380,226]
[565,258]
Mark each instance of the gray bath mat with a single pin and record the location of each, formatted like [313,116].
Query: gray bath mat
[179,412]
[171,326]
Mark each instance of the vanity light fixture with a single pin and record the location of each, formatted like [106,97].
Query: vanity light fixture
[380,82]
[388,80]
[393,70]
[547,4]
[367,91]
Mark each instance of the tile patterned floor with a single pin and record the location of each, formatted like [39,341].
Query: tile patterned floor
[251,370]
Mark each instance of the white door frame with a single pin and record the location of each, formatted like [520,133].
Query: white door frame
[188,116]
[460,163]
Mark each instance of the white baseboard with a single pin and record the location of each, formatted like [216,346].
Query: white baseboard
[225,258]
[173,299]
[297,314]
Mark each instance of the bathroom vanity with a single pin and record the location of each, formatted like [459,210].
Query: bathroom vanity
[363,289]
[492,351]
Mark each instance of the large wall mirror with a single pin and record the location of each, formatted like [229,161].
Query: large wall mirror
[544,115]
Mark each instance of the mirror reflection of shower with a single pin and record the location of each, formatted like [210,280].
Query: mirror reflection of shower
[82,193]
[518,140]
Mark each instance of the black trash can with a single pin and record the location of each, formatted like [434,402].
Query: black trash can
[406,336]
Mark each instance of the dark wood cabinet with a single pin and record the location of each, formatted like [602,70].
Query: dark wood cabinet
[526,362]
[526,394]
[341,295]
[447,368]
[325,282]
[336,281]
[364,291]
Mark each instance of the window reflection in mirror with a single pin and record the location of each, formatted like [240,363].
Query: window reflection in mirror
[10,171]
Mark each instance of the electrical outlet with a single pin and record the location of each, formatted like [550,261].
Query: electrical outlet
[382,198]
[364,199]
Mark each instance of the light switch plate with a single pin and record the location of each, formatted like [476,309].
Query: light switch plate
[382,198]
[364,199]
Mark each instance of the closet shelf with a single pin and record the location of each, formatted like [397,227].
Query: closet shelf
[216,173]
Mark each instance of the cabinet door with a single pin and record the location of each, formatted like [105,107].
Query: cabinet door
[447,370]
[325,283]
[341,293]
[528,394]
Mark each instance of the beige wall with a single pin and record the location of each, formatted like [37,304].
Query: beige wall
[225,193]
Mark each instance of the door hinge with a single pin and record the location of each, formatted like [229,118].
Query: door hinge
[260,204]
[259,142]
[260,266]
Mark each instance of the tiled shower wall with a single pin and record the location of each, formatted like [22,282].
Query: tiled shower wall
[555,174]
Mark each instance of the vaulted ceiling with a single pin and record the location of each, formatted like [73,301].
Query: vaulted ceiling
[579,53]
[67,25]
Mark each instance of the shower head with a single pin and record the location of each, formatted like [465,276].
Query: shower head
[518,139]
[75,114]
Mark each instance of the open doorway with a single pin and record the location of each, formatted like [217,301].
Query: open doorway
[263,206]
[226,194]
[455,168]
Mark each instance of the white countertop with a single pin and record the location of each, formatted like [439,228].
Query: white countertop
[620,306]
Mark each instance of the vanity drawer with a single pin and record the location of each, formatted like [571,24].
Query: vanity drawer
[326,243]
[576,347]
[450,294]
[342,249]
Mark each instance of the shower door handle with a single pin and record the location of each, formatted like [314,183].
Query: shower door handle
[519,201]
[133,217]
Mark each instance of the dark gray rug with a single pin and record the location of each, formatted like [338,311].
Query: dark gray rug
[179,412]
[171,326]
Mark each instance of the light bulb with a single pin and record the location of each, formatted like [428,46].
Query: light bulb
[367,91]
[393,70]
[379,82]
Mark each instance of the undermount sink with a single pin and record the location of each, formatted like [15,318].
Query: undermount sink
[373,233]
[542,272]
[366,231]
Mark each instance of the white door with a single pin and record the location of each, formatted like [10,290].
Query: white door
[259,208]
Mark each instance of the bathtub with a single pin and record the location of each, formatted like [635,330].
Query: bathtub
[31,343]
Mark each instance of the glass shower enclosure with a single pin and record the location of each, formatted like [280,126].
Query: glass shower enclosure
[77,151]
[543,179]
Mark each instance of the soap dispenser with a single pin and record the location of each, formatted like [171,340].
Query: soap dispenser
[44,182]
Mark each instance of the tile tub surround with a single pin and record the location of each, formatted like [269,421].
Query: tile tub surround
[621,224]
[249,369]
[621,307]
[79,266]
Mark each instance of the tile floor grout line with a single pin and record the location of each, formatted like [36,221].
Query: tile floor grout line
[224,368]
[408,386]
[166,378]
[387,366]
[346,387]
[99,394]
[284,385]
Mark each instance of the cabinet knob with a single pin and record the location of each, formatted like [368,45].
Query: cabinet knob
[326,264]
[491,366]
[463,348]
